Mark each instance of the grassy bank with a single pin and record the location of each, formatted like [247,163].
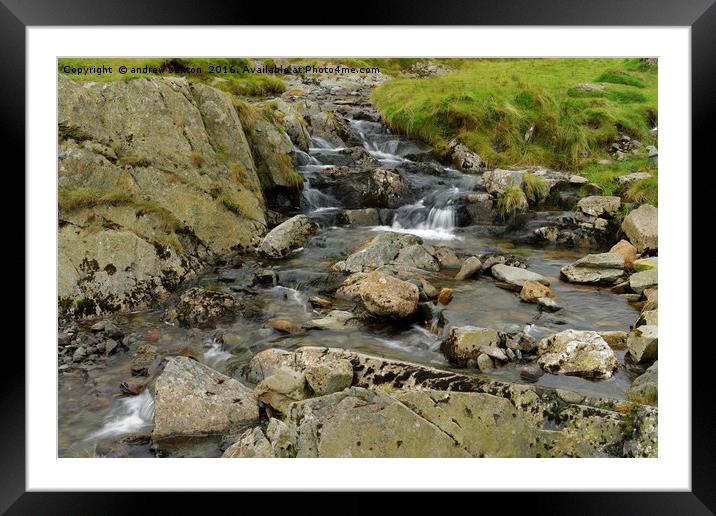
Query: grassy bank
[489,104]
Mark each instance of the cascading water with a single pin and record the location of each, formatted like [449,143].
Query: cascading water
[133,414]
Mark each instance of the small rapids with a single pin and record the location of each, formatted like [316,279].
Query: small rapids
[133,414]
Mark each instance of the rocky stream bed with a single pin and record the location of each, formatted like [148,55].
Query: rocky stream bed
[384,309]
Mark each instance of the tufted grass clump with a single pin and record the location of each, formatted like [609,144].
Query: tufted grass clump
[535,188]
[232,205]
[512,201]
[645,191]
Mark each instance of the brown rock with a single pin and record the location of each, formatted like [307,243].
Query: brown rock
[385,296]
[132,386]
[320,302]
[532,291]
[284,326]
[627,250]
[445,296]
[470,268]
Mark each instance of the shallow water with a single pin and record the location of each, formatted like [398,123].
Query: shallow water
[95,419]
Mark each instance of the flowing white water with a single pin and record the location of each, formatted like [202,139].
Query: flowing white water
[133,414]
[215,355]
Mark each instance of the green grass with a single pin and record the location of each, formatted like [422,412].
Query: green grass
[605,175]
[535,188]
[489,104]
[233,74]
[511,201]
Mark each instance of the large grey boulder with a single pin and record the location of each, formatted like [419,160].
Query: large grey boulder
[516,276]
[288,236]
[602,268]
[641,227]
[385,296]
[456,403]
[577,353]
[645,388]
[193,399]
[397,250]
[281,389]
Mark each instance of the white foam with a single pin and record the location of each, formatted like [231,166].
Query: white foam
[426,234]
[133,414]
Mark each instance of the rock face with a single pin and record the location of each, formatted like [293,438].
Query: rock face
[641,227]
[645,388]
[193,399]
[497,181]
[202,307]
[598,205]
[286,237]
[398,409]
[598,269]
[516,276]
[386,296]
[577,353]
[145,197]
[361,188]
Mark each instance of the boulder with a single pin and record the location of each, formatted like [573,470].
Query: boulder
[467,343]
[364,217]
[267,363]
[288,236]
[447,258]
[516,276]
[627,250]
[385,296]
[643,344]
[281,389]
[378,252]
[463,158]
[416,256]
[640,281]
[201,307]
[641,226]
[599,205]
[283,326]
[329,377]
[577,353]
[532,291]
[497,181]
[192,399]
[648,317]
[470,267]
[602,268]
[645,388]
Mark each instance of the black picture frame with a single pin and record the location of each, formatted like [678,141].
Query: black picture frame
[700,15]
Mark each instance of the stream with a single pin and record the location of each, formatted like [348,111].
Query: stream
[96,419]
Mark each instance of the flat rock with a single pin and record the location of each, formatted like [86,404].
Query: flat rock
[599,205]
[640,281]
[288,236]
[515,275]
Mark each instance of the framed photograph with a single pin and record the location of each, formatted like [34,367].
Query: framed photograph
[417,253]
